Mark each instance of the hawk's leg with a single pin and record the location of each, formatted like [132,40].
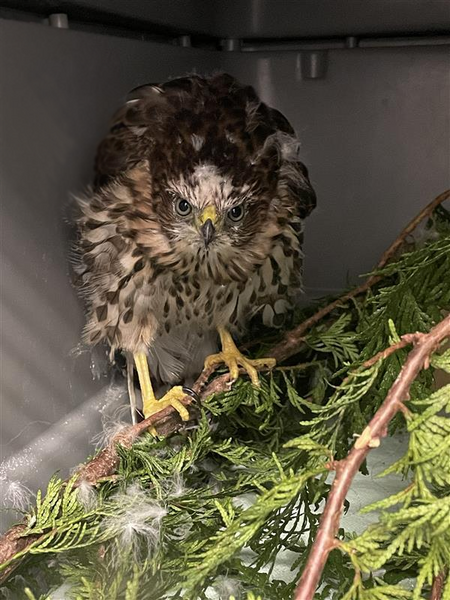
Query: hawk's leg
[150,405]
[234,359]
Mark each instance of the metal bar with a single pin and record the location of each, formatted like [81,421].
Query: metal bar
[292,45]
[441,40]
[349,42]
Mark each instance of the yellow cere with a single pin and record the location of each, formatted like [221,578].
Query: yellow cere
[208,213]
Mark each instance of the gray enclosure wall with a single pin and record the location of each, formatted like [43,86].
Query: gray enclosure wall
[58,91]
[375,134]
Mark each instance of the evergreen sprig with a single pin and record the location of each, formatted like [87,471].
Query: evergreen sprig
[215,509]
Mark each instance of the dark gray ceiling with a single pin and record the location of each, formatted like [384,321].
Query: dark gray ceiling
[257,18]
[307,18]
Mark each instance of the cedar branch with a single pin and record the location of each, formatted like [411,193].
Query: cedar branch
[346,469]
[167,421]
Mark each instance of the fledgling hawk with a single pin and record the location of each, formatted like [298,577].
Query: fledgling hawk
[193,226]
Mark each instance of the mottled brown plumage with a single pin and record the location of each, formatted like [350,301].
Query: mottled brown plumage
[194,223]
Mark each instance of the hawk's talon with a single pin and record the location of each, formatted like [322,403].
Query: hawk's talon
[150,405]
[139,415]
[192,393]
[233,358]
[171,398]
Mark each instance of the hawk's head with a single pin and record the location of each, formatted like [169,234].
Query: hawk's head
[216,169]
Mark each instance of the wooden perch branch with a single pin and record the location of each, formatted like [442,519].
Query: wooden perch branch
[167,421]
[424,346]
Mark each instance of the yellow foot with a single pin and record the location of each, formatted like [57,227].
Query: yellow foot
[172,398]
[233,358]
[150,405]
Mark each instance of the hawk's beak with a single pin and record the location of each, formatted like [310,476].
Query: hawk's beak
[209,213]
[208,220]
[208,230]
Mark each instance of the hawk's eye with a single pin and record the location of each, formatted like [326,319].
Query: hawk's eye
[236,213]
[183,207]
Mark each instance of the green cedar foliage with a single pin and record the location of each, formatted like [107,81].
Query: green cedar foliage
[217,507]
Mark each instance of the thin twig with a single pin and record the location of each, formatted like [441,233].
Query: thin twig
[424,346]
[438,585]
[405,340]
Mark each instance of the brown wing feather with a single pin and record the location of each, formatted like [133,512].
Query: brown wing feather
[126,143]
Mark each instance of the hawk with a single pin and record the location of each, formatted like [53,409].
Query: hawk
[193,225]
